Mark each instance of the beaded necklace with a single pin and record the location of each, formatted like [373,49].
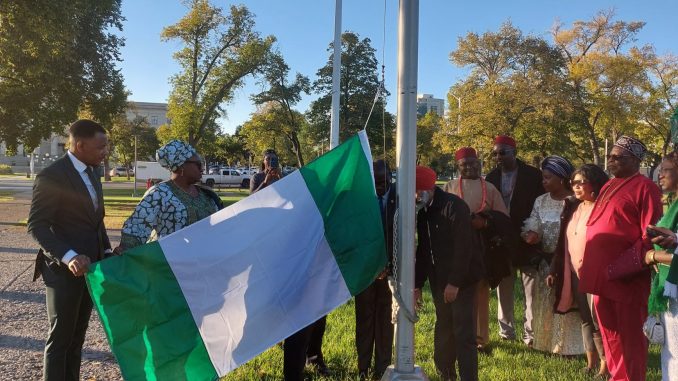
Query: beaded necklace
[483,187]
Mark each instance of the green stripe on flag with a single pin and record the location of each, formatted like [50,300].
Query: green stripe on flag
[343,189]
[147,320]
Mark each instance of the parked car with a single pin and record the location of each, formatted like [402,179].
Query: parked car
[226,177]
[121,171]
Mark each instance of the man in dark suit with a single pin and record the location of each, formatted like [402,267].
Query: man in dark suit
[373,327]
[447,255]
[520,184]
[66,219]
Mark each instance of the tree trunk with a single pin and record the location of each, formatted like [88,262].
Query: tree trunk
[107,167]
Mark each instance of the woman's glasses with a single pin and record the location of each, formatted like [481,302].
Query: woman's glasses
[578,183]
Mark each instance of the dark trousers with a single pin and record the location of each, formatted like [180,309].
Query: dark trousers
[315,344]
[294,354]
[454,339]
[69,307]
[373,327]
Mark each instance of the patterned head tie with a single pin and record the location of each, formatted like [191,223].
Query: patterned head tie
[558,165]
[173,154]
[634,146]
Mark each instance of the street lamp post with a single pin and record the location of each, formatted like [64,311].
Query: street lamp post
[458,111]
[134,194]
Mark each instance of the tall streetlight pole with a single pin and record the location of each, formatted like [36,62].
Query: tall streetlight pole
[458,112]
[406,152]
[134,194]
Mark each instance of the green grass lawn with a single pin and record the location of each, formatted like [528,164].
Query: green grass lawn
[509,361]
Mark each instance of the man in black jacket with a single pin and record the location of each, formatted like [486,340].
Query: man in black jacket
[446,255]
[373,327]
[519,184]
[67,221]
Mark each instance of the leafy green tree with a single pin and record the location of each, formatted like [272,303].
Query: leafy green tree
[269,128]
[359,86]
[122,138]
[57,57]
[218,52]
[516,86]
[601,73]
[284,96]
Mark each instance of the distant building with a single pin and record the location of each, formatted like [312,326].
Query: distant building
[54,147]
[426,103]
[155,113]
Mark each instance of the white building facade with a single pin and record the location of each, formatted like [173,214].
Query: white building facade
[54,147]
[427,103]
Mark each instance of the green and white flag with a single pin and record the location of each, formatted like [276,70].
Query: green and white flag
[197,304]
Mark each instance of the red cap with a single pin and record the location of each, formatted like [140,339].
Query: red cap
[465,152]
[505,140]
[426,178]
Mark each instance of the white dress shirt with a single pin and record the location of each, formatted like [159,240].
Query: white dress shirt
[81,167]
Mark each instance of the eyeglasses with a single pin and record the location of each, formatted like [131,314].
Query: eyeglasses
[578,183]
[617,157]
[196,162]
[501,152]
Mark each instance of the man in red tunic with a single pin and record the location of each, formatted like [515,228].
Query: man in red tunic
[612,268]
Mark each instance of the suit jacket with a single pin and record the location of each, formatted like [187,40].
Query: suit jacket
[528,187]
[498,239]
[63,218]
[447,250]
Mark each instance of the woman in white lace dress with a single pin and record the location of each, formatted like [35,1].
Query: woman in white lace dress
[554,333]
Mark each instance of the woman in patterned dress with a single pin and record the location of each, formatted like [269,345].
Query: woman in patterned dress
[173,204]
[559,334]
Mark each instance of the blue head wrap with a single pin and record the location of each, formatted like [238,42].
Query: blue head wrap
[558,165]
[173,154]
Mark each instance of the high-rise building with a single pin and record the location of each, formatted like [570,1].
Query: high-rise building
[427,103]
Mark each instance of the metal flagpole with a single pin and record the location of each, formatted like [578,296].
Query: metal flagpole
[406,147]
[336,71]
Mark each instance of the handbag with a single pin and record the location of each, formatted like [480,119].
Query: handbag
[654,330]
[629,263]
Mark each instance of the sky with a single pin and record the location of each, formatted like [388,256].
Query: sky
[305,28]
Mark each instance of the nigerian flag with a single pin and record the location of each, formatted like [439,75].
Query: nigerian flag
[199,303]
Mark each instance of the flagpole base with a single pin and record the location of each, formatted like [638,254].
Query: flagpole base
[392,374]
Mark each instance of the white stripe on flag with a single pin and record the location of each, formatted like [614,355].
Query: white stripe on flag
[245,292]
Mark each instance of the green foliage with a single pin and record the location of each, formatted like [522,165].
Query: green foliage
[429,153]
[566,96]
[270,128]
[283,96]
[218,52]
[5,169]
[122,138]
[359,86]
[57,56]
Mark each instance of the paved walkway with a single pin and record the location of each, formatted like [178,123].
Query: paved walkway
[23,318]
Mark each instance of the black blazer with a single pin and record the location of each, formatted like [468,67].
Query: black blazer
[448,250]
[62,217]
[528,187]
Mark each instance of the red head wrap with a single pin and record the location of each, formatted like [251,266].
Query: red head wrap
[426,178]
[465,152]
[505,140]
